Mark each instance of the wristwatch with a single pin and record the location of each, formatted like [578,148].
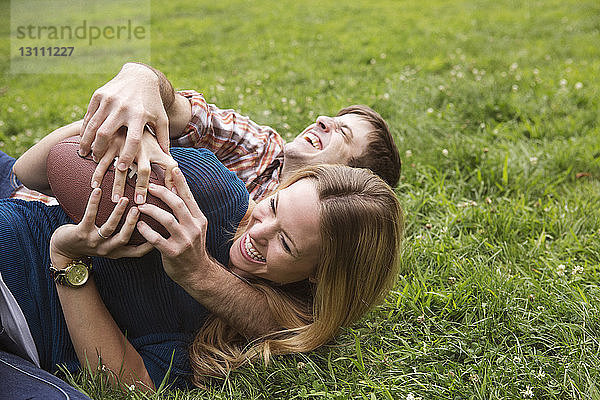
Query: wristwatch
[74,275]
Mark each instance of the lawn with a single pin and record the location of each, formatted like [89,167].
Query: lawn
[495,108]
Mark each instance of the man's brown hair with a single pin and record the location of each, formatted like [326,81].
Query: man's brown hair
[381,155]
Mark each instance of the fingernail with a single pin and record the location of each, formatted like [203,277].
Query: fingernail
[174,189]
[95,158]
[134,211]
[176,171]
[115,198]
[96,191]
[139,199]
[95,184]
[122,167]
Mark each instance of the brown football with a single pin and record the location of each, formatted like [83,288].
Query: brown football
[70,177]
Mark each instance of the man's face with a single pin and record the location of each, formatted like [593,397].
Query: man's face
[329,141]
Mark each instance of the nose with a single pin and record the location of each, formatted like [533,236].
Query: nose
[326,124]
[262,225]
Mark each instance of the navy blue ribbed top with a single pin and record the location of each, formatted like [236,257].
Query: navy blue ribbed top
[158,317]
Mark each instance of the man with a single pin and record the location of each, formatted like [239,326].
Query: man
[141,96]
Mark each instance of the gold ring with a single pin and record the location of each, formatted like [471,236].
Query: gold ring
[101,235]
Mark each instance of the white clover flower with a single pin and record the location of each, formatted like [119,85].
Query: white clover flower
[560,270]
[410,396]
[528,392]
[408,153]
[577,269]
[563,82]
[514,66]
[578,85]
[445,152]
[482,125]
[429,110]
[515,88]
[533,160]
[536,71]
[131,388]
[541,374]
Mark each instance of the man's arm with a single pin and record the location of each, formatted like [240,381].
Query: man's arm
[30,168]
[186,261]
[234,301]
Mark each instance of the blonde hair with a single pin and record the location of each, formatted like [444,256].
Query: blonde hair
[361,230]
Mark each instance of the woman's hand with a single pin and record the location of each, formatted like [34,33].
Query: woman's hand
[149,151]
[86,239]
[185,249]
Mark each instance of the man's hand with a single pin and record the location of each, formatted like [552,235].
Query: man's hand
[185,249]
[148,152]
[131,99]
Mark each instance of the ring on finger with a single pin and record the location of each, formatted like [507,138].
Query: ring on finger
[101,235]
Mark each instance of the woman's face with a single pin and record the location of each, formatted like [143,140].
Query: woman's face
[282,242]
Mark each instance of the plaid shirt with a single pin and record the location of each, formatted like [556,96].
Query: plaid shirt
[253,152]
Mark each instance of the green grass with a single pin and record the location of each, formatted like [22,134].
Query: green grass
[494,105]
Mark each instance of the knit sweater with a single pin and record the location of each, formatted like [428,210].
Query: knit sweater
[157,316]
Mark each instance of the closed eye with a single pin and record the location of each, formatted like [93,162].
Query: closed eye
[285,245]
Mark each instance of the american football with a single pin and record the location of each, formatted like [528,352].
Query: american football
[70,177]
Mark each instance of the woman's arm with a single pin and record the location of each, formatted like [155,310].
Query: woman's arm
[94,333]
[30,168]
[96,337]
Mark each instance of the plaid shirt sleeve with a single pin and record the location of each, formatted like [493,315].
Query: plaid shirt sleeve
[253,152]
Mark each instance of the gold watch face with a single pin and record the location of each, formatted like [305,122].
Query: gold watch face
[77,274]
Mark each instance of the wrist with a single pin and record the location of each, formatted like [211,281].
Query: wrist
[199,276]
[59,255]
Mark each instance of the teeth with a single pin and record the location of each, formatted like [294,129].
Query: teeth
[314,140]
[252,252]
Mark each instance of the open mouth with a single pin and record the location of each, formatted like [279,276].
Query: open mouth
[249,251]
[313,140]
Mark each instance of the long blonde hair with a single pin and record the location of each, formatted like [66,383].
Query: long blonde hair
[361,230]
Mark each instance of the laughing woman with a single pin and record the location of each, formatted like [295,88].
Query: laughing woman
[323,250]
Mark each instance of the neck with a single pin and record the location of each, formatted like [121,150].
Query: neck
[287,170]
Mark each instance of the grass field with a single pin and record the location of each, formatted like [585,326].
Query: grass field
[494,105]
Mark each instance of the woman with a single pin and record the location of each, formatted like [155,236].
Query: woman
[323,250]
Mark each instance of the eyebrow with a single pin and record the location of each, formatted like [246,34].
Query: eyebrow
[297,255]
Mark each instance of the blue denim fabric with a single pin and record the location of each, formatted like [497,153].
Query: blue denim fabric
[8,182]
[23,380]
